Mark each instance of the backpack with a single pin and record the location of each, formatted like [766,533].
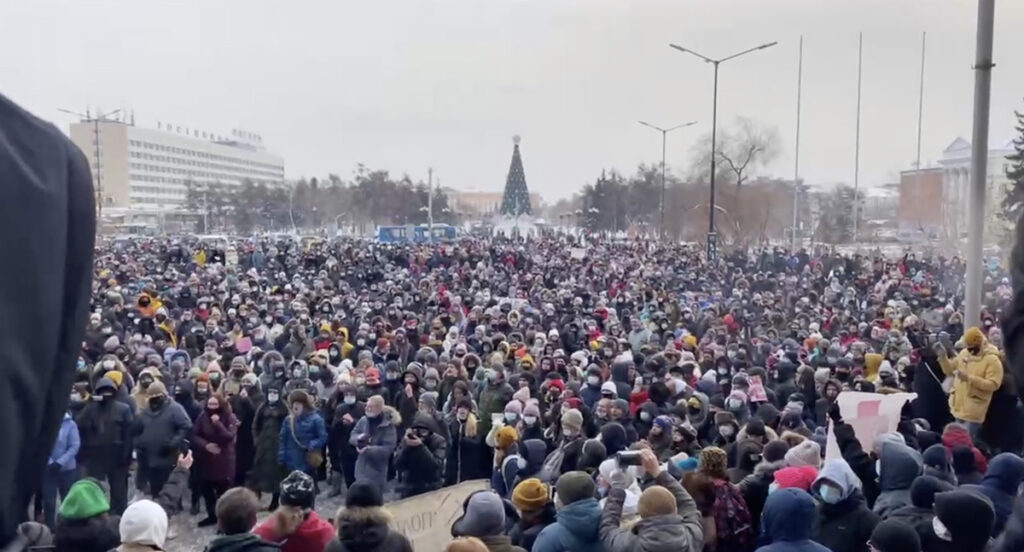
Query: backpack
[732,519]
[552,467]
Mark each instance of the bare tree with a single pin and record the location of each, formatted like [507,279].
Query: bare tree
[740,150]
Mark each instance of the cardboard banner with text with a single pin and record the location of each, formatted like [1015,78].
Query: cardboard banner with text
[426,520]
[870,415]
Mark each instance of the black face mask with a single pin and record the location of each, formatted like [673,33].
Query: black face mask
[155,403]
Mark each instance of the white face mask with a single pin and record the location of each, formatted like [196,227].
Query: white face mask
[940,530]
[593,380]
[726,431]
[529,420]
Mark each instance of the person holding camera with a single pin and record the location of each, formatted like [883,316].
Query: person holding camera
[669,518]
[420,457]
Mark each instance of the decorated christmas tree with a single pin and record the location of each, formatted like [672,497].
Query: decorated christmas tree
[516,200]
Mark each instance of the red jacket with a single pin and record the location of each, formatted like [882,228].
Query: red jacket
[312,536]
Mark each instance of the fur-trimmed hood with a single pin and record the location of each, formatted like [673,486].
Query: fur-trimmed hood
[363,528]
[390,415]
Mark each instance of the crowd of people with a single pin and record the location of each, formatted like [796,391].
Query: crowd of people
[637,398]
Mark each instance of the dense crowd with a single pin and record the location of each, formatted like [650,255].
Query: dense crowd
[635,398]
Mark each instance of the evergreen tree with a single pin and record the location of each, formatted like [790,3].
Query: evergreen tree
[516,200]
[1014,197]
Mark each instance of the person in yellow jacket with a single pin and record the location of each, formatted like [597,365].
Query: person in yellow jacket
[978,370]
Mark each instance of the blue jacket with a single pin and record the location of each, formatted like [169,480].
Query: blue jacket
[65,449]
[788,522]
[577,528]
[310,431]
[1000,485]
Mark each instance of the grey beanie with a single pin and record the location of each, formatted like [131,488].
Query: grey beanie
[574,486]
[483,515]
[807,453]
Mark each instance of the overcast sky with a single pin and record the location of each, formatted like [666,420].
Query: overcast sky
[404,85]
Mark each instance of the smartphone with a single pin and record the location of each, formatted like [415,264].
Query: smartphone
[184,447]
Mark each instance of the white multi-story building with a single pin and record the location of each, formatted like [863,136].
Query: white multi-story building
[956,178]
[143,168]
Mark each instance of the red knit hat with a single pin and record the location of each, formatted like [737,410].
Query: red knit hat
[557,384]
[796,477]
[372,376]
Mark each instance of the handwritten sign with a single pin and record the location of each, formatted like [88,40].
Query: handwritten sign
[870,415]
[426,520]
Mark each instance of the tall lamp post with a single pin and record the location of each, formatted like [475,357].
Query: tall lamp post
[99,118]
[712,236]
[664,133]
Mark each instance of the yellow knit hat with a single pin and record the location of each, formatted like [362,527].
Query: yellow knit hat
[530,495]
[507,436]
[974,337]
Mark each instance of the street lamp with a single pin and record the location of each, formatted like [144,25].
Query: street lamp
[712,246]
[99,118]
[664,132]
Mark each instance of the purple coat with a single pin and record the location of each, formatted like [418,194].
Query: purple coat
[215,467]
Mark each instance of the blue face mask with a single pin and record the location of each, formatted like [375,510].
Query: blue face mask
[830,494]
[773,487]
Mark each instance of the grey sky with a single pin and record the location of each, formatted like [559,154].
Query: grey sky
[408,84]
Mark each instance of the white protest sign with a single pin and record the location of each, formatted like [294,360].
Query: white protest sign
[870,415]
[578,253]
[426,520]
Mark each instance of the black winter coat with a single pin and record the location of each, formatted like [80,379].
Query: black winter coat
[421,467]
[846,526]
[267,472]
[525,532]
[105,430]
[463,461]
[244,410]
[339,433]
[97,534]
[918,518]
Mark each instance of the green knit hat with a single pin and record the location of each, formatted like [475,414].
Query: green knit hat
[85,500]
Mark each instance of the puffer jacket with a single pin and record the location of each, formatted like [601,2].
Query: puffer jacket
[379,438]
[162,433]
[682,531]
[970,397]
[367,530]
[900,465]
[65,448]
[846,525]
[310,431]
[577,528]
